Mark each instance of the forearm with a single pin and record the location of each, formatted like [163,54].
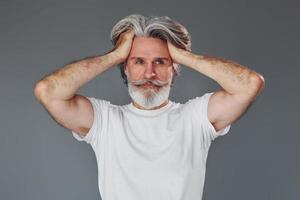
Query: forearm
[64,82]
[233,77]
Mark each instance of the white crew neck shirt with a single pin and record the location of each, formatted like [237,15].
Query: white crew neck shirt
[151,154]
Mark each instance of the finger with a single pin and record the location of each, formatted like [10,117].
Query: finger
[131,33]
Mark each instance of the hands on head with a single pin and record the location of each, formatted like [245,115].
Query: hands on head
[124,44]
[177,54]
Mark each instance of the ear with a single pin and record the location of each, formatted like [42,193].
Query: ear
[175,65]
[176,69]
[125,69]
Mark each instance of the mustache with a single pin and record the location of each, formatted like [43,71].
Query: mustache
[155,82]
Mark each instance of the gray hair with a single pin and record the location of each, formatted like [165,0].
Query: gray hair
[163,28]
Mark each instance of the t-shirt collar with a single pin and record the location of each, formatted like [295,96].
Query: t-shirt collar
[136,110]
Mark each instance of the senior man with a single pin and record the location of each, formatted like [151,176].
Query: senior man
[153,147]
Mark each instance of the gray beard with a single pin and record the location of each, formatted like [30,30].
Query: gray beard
[148,97]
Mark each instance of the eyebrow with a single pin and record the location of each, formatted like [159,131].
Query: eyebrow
[163,58]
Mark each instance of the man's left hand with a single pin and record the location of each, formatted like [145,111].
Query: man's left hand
[177,54]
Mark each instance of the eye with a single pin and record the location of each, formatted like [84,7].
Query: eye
[159,62]
[139,61]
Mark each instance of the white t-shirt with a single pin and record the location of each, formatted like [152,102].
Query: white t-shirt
[151,154]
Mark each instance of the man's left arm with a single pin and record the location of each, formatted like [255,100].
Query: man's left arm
[240,85]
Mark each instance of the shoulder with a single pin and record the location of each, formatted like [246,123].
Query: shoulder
[103,105]
[198,102]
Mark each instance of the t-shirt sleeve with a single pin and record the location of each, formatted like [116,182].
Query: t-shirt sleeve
[200,113]
[100,108]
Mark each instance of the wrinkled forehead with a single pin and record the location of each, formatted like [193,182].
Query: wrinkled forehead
[148,47]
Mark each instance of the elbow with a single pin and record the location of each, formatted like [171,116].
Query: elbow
[257,83]
[40,90]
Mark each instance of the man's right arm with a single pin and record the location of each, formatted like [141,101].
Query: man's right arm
[57,91]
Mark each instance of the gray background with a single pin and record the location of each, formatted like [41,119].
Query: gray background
[258,159]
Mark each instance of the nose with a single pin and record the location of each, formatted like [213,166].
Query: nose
[149,73]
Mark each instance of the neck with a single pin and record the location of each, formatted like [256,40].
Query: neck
[154,108]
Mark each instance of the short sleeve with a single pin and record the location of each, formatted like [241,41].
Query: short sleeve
[199,109]
[207,126]
[100,108]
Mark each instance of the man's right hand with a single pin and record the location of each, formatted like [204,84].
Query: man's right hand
[123,45]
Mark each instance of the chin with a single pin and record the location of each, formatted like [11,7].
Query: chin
[149,97]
